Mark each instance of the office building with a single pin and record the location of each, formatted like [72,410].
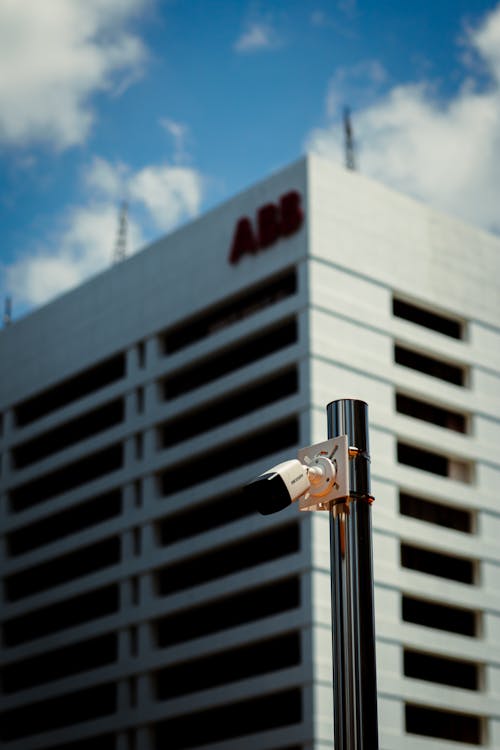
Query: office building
[145,606]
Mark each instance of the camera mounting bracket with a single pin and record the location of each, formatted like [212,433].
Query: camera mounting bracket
[332,456]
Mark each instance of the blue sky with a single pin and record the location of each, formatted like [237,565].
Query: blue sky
[177,104]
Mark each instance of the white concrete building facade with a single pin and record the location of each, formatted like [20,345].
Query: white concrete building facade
[144,605]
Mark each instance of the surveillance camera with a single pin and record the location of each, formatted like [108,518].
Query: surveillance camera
[316,479]
[279,487]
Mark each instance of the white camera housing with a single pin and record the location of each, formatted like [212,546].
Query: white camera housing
[317,478]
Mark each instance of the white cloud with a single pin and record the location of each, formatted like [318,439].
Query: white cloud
[53,57]
[159,197]
[176,129]
[83,247]
[257,35]
[106,179]
[321,20]
[360,82]
[179,132]
[486,40]
[169,194]
[166,194]
[41,277]
[444,152]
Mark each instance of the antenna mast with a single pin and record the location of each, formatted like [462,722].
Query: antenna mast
[350,161]
[120,248]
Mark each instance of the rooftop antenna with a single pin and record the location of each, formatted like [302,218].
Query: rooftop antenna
[7,314]
[120,248]
[349,141]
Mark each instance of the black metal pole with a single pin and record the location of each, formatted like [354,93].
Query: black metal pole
[353,631]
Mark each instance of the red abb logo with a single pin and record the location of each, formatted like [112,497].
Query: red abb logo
[273,221]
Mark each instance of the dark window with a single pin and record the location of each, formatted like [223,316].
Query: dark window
[72,432]
[436,368]
[69,567]
[139,400]
[229,312]
[228,666]
[232,358]
[228,612]
[224,410]
[279,709]
[56,617]
[437,563]
[435,321]
[74,388]
[413,407]
[195,520]
[230,456]
[422,459]
[446,725]
[67,478]
[454,672]
[439,616]
[433,512]
[229,559]
[66,522]
[141,354]
[435,463]
[54,665]
[54,713]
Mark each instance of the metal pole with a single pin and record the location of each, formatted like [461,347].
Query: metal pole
[353,631]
